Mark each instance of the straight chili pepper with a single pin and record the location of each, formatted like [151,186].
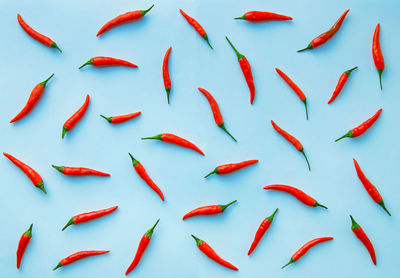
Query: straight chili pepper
[36,35]
[377,53]
[88,216]
[165,73]
[32,174]
[23,244]
[362,236]
[258,16]
[264,226]
[359,130]
[79,256]
[207,210]
[228,168]
[79,171]
[123,18]
[122,118]
[144,242]
[215,110]
[342,80]
[76,117]
[304,249]
[176,140]
[323,38]
[101,61]
[199,29]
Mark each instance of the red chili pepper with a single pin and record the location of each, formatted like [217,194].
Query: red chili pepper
[143,174]
[144,242]
[342,80]
[323,38]
[359,130]
[207,210]
[123,18]
[264,226]
[377,53]
[165,73]
[76,117]
[32,174]
[228,168]
[199,29]
[246,70]
[122,118]
[79,171]
[88,216]
[297,193]
[362,236]
[371,189]
[37,36]
[215,110]
[304,249]
[176,140]
[209,252]
[257,16]
[23,244]
[79,256]
[101,61]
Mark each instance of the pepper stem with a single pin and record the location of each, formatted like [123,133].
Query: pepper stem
[54,45]
[59,168]
[354,224]
[308,47]
[57,266]
[213,172]
[290,262]
[239,56]
[134,161]
[43,84]
[143,12]
[168,90]
[348,72]
[380,77]
[28,232]
[271,217]
[223,207]
[41,187]
[242,17]
[205,37]
[64,131]
[70,222]
[155,137]
[348,134]
[90,62]
[319,205]
[107,118]
[305,105]
[198,241]
[382,204]
[302,151]
[149,233]
[222,126]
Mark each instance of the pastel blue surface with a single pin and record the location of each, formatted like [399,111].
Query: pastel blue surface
[179,172]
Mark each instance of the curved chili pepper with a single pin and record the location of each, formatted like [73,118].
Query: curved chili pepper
[122,118]
[228,168]
[101,61]
[88,216]
[207,210]
[297,193]
[33,99]
[362,236]
[32,174]
[23,244]
[123,18]
[369,187]
[246,70]
[76,117]
[215,110]
[79,256]
[342,80]
[144,176]
[304,249]
[323,38]
[165,73]
[264,226]
[37,36]
[144,242]
[79,171]
[258,16]
[377,53]
[209,252]
[359,130]
[199,29]
[176,140]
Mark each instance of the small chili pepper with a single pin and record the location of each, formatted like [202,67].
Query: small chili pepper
[207,210]
[246,70]
[88,216]
[297,193]
[122,118]
[228,168]
[76,117]
[37,36]
[215,110]
[165,73]
[23,244]
[176,140]
[323,38]
[101,61]
[209,252]
[377,53]
[32,174]
[359,130]
[33,99]
[79,256]
[304,249]
[264,226]
[258,16]
[369,187]
[144,242]
[123,18]
[342,80]
[362,236]
[199,29]
[79,171]
[143,174]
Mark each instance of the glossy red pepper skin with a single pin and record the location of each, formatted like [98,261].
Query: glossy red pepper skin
[88,216]
[79,171]
[176,140]
[377,53]
[207,210]
[76,117]
[79,256]
[122,118]
[342,81]
[23,244]
[258,16]
[362,236]
[165,73]
[262,229]
[199,29]
[229,168]
[102,61]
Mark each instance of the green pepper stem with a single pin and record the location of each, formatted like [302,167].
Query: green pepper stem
[64,131]
[271,217]
[54,45]
[134,161]
[155,137]
[90,62]
[205,37]
[308,47]
[319,205]
[70,222]
[222,126]
[305,105]
[348,134]
[348,72]
[198,241]
[57,266]
[302,151]
[354,224]
[43,84]
[143,12]
[41,187]
[290,262]
[168,90]
[242,17]
[107,118]
[28,232]
[149,233]
[58,168]
[238,54]
[380,77]
[223,207]
[215,171]
[382,204]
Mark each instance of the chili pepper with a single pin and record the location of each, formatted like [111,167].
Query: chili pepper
[304,249]
[165,73]
[176,140]
[79,256]
[144,242]
[228,168]
[215,110]
[207,210]
[371,189]
[199,29]
[257,16]
[209,252]
[359,130]
[122,118]
[23,244]
[297,193]
[144,176]
[76,117]
[342,80]
[323,38]
[101,61]
[123,18]
[32,174]
[79,171]
[362,236]
[264,226]
[246,70]
[88,216]
[377,53]
[33,99]
[37,36]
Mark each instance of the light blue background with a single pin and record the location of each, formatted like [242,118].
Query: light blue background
[94,143]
